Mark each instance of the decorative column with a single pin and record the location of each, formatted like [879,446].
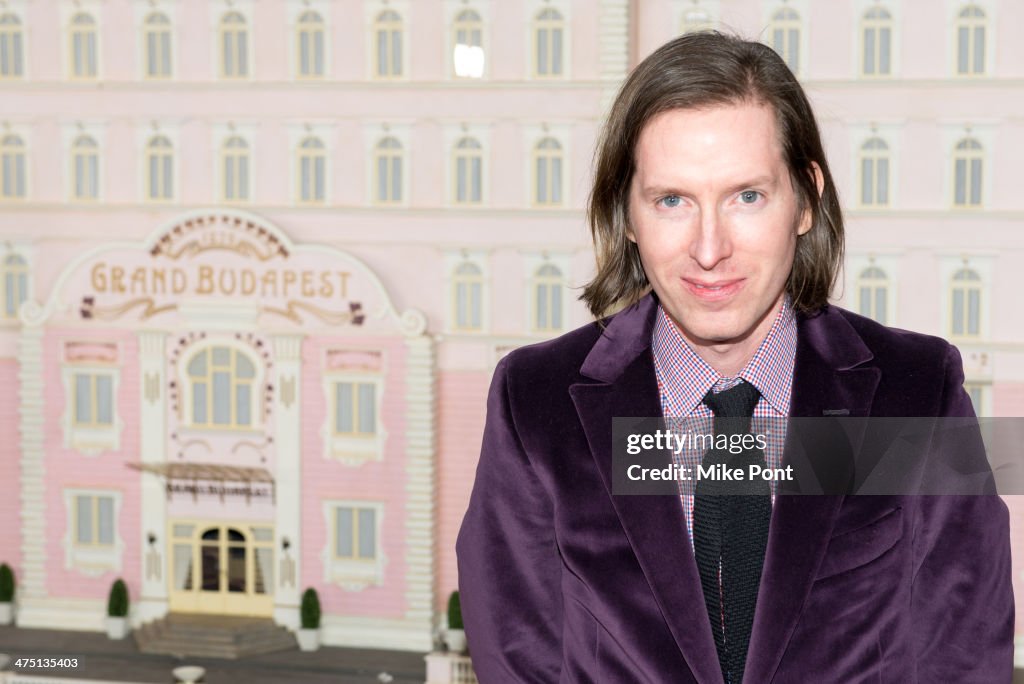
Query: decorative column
[156,556]
[613,58]
[32,582]
[288,477]
[420,485]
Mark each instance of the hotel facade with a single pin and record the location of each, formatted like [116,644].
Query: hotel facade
[258,261]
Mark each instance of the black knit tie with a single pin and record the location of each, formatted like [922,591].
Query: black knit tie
[730,530]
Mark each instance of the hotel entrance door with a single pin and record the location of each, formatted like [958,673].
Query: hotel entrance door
[222,568]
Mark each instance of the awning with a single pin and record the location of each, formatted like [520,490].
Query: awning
[245,477]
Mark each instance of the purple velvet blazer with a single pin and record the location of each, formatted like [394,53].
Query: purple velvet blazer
[562,582]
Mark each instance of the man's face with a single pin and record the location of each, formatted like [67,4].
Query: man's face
[715,218]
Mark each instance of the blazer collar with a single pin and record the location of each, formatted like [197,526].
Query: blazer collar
[831,374]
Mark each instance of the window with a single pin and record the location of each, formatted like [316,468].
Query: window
[310,44]
[785,36]
[159,169]
[14,284]
[12,167]
[355,533]
[388,40]
[874,173]
[355,409]
[235,165]
[223,390]
[547,164]
[967,159]
[468,288]
[873,294]
[388,169]
[468,51]
[94,520]
[970,41]
[157,41]
[85,168]
[83,46]
[353,555]
[312,171]
[11,47]
[979,393]
[549,29]
[548,299]
[696,20]
[468,171]
[965,303]
[877,36]
[234,46]
[94,400]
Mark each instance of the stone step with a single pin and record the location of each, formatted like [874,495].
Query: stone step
[213,636]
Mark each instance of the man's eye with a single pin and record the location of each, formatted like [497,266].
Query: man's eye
[749,196]
[671,201]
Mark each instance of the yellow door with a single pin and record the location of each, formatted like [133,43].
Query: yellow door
[221,568]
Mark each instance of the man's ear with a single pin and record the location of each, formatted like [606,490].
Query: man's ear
[807,218]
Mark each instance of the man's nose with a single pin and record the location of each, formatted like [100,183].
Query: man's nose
[711,244]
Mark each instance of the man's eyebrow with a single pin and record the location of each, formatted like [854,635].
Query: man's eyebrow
[663,190]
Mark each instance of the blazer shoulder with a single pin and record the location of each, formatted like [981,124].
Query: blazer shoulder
[896,347]
[556,360]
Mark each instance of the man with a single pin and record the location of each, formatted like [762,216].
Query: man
[719,236]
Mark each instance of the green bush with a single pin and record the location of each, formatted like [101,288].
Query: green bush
[117,603]
[454,611]
[6,583]
[310,609]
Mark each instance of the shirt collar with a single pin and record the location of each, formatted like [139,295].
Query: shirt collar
[685,377]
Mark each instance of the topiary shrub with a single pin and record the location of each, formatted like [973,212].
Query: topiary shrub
[6,583]
[454,611]
[310,609]
[117,603]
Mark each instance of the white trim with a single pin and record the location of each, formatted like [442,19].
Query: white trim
[371,9]
[953,8]
[143,9]
[895,10]
[359,632]
[91,441]
[480,259]
[951,135]
[220,134]
[69,9]
[453,133]
[533,133]
[858,134]
[287,416]
[153,449]
[373,133]
[295,9]
[352,575]
[143,136]
[532,262]
[420,493]
[70,132]
[297,133]
[532,8]
[354,451]
[90,560]
[984,267]
[33,464]
[217,11]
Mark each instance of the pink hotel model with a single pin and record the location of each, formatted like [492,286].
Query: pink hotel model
[258,260]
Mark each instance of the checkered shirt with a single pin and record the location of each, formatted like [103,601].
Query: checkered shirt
[684,378]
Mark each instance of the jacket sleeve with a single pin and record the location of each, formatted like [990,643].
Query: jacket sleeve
[508,560]
[962,600]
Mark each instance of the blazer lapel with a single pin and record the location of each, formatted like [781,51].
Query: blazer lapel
[829,378]
[624,384]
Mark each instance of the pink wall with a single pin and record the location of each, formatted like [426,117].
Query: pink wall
[10,467]
[69,469]
[383,481]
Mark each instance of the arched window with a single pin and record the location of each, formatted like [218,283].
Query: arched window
[15,284]
[157,41]
[235,164]
[85,167]
[873,294]
[874,173]
[549,32]
[877,36]
[785,33]
[696,20]
[312,171]
[547,157]
[12,167]
[965,303]
[468,285]
[222,388]
[547,287]
[970,41]
[967,164]
[234,46]
[11,47]
[388,40]
[83,46]
[309,41]
[469,162]
[468,50]
[159,169]
[387,164]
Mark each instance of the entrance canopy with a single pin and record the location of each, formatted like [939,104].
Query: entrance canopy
[247,480]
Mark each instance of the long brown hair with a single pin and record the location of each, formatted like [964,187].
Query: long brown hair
[705,70]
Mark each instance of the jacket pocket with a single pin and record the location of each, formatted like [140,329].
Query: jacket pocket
[854,548]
